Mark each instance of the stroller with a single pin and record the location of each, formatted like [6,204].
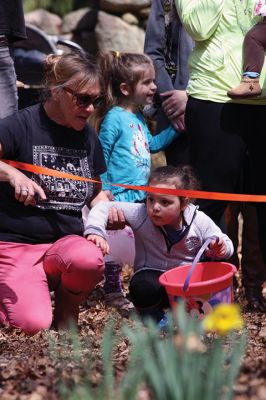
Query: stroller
[28,59]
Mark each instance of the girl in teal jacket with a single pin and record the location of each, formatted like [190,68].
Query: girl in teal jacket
[127,143]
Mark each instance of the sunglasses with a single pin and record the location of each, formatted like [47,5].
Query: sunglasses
[85,100]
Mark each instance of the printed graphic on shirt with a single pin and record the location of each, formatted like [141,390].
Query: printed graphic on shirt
[62,194]
[140,149]
[260,8]
[193,244]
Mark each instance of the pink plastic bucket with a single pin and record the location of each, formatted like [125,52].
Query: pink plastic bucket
[211,283]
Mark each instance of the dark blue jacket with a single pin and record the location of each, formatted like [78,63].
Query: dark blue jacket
[155,43]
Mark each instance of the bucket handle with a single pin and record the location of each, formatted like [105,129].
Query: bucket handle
[196,260]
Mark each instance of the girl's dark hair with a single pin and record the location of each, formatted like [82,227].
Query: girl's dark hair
[74,68]
[117,68]
[182,176]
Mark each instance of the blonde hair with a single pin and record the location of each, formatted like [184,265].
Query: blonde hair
[116,68]
[75,68]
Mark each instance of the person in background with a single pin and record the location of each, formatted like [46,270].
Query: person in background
[254,53]
[127,142]
[12,28]
[169,231]
[242,228]
[169,47]
[222,130]
[42,246]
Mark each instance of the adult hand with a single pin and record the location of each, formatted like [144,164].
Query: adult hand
[116,219]
[25,188]
[100,242]
[174,106]
[109,195]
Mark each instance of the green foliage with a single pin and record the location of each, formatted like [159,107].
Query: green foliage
[180,364]
[60,7]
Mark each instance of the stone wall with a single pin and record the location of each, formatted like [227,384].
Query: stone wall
[102,25]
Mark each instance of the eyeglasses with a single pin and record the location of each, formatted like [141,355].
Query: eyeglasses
[85,100]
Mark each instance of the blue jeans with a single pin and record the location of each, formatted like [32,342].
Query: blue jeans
[8,88]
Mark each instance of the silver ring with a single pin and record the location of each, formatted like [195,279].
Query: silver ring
[170,111]
[25,190]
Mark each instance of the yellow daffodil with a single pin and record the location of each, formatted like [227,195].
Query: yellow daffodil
[223,319]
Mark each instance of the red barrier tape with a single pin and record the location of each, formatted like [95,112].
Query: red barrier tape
[196,194]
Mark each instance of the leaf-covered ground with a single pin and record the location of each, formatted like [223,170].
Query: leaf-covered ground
[30,370]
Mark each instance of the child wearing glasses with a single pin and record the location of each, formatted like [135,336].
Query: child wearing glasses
[169,231]
[254,55]
[127,145]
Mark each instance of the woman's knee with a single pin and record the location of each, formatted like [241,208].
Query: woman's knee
[33,322]
[74,254]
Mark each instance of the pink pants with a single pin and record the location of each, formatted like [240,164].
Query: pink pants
[71,266]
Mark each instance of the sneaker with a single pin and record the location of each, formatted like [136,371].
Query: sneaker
[248,88]
[163,324]
[119,301]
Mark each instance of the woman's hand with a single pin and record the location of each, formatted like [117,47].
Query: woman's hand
[174,107]
[25,188]
[109,195]
[100,242]
[217,249]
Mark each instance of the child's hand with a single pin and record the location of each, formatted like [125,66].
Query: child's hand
[217,249]
[116,219]
[100,242]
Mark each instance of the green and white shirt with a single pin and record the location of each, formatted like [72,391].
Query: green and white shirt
[218,28]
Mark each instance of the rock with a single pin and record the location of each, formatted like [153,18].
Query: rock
[262,332]
[144,12]
[48,22]
[84,19]
[114,34]
[130,19]
[262,392]
[123,6]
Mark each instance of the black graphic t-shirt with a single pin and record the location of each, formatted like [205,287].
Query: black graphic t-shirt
[31,137]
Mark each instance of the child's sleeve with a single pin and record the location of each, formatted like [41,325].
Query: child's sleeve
[200,17]
[162,140]
[97,219]
[109,132]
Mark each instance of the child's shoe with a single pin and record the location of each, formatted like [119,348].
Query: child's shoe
[163,324]
[118,301]
[248,88]
[255,300]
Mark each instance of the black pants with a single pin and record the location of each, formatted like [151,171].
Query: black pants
[220,135]
[254,48]
[145,290]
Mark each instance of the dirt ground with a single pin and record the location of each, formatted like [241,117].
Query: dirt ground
[29,371]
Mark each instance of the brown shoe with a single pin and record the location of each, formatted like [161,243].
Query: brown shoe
[247,88]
